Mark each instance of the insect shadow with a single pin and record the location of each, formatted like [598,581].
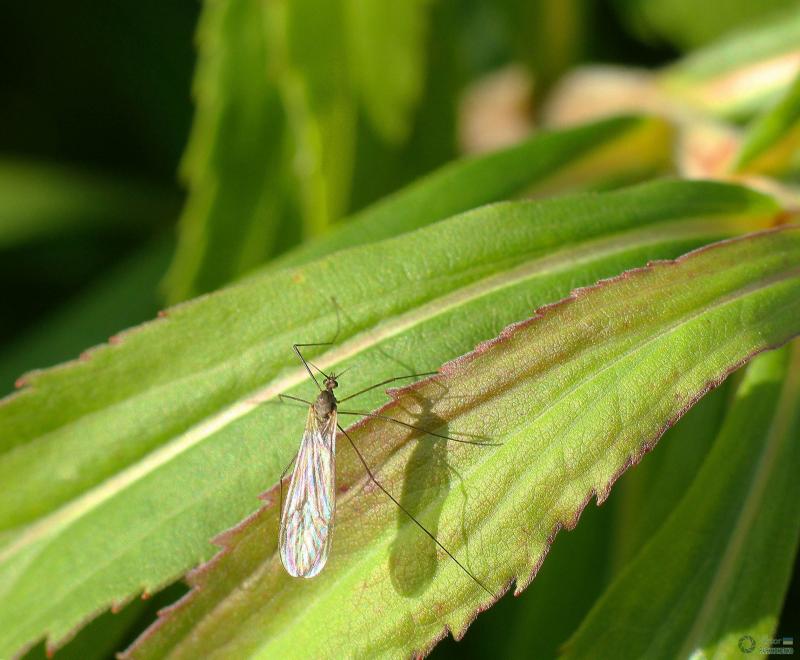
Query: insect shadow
[307,517]
[413,556]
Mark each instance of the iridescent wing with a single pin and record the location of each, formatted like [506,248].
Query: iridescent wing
[307,517]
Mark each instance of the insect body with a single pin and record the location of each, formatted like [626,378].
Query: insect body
[307,517]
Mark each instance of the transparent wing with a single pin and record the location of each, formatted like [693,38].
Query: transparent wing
[307,516]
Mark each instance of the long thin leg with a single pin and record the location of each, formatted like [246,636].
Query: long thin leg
[419,428]
[296,348]
[280,483]
[386,382]
[410,515]
[294,398]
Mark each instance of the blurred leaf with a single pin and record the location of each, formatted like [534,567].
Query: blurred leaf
[320,104]
[772,144]
[719,567]
[742,73]
[100,640]
[272,149]
[123,297]
[387,58]
[383,167]
[113,630]
[45,201]
[587,156]
[234,163]
[93,517]
[689,24]
[60,228]
[563,394]
[548,36]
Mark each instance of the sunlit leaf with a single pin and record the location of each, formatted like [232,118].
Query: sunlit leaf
[575,395]
[772,144]
[690,24]
[742,73]
[582,562]
[595,155]
[271,154]
[726,552]
[536,622]
[156,440]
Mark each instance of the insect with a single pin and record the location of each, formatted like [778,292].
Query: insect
[308,512]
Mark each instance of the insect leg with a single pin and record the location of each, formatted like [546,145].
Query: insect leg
[294,398]
[410,515]
[386,382]
[296,348]
[420,429]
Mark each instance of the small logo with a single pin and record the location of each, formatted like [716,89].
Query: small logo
[747,644]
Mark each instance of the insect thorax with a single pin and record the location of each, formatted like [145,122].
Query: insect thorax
[324,404]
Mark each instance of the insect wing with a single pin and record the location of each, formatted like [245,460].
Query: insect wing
[307,517]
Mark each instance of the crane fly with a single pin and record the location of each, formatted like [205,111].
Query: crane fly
[308,512]
[307,517]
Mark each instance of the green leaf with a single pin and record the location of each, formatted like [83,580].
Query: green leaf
[552,161]
[548,36]
[272,148]
[649,493]
[45,201]
[320,105]
[124,296]
[234,163]
[387,37]
[772,145]
[742,73]
[575,395]
[719,567]
[581,563]
[536,622]
[157,440]
[690,24]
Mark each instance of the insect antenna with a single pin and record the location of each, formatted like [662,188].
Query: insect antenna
[411,516]
[341,373]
